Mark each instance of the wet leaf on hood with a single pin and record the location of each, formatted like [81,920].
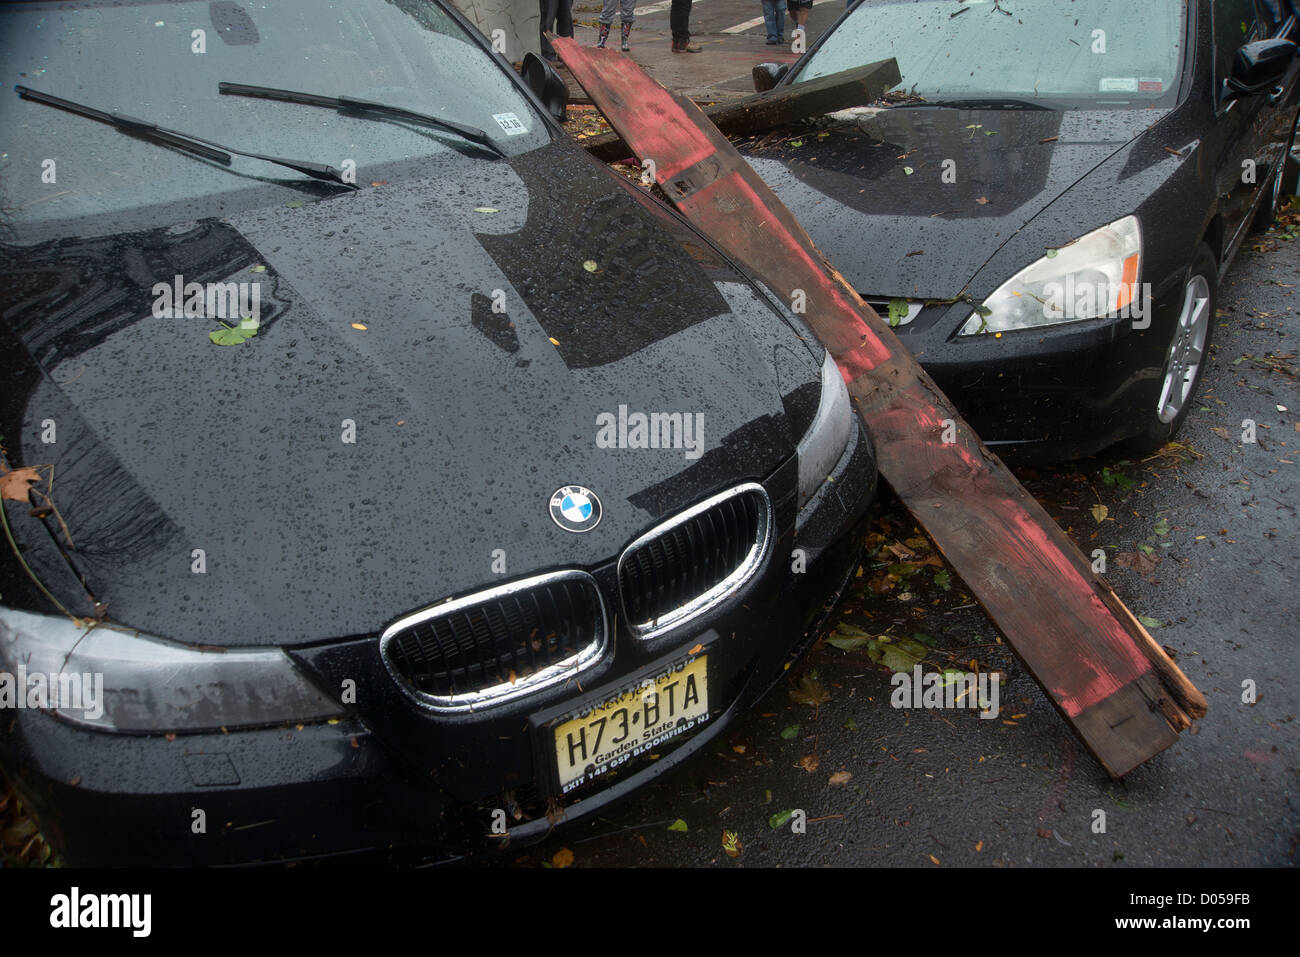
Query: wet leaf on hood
[357,325]
[731,843]
[779,819]
[563,858]
[897,311]
[810,691]
[790,733]
[678,825]
[1149,622]
[14,484]
[809,762]
[227,336]
[908,170]
[841,777]
[1099,513]
[590,265]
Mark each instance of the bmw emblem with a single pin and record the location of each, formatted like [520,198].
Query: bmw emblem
[575,509]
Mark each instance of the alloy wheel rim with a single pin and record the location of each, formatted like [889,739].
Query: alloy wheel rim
[1187,351]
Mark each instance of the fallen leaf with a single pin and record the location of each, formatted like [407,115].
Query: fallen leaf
[731,843]
[779,819]
[357,325]
[379,182]
[696,650]
[1144,563]
[590,265]
[554,341]
[1099,513]
[738,748]
[563,858]
[14,484]
[983,201]
[908,170]
[810,691]
[678,825]
[935,860]
[258,268]
[809,762]
[486,209]
[841,777]
[1149,622]
[790,733]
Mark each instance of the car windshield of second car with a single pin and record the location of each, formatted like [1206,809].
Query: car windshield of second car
[163,63]
[1085,53]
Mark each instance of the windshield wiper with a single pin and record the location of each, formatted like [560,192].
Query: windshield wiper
[187,142]
[352,106]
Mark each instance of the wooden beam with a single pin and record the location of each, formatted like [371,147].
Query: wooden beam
[1106,675]
[761,111]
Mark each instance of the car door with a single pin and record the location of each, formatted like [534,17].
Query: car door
[1240,118]
[1254,129]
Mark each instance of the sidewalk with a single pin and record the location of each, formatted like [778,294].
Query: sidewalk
[720,71]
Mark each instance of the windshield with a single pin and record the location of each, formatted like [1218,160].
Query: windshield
[1085,53]
[162,63]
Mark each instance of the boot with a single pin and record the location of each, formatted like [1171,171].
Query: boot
[685,46]
[604,35]
[627,31]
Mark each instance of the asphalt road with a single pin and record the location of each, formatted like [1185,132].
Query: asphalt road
[943,787]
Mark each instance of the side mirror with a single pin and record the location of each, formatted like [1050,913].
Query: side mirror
[1259,65]
[547,84]
[768,75]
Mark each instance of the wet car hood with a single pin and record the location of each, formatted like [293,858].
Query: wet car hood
[872,194]
[389,438]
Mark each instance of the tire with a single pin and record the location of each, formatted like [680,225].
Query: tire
[1185,357]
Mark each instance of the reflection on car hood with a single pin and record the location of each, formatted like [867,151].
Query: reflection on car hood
[377,317]
[873,196]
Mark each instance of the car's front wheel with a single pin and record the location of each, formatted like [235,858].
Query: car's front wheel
[1185,359]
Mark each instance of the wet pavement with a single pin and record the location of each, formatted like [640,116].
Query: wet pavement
[1202,541]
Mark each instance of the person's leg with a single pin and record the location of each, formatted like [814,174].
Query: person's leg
[769,19]
[564,19]
[628,13]
[606,20]
[679,20]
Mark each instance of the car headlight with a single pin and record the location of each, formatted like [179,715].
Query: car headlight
[111,679]
[825,440]
[1092,277]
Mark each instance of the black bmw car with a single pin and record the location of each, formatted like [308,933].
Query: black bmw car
[379,471]
[1047,204]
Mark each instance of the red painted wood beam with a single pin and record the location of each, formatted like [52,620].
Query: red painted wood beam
[1106,675]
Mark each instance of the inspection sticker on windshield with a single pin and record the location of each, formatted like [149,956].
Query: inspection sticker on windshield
[1148,84]
[510,123]
[1119,84]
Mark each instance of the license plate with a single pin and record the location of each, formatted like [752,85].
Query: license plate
[632,722]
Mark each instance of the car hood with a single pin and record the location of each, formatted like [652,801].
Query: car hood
[911,202]
[429,367]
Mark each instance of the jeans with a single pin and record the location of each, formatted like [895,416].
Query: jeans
[679,19]
[628,8]
[774,19]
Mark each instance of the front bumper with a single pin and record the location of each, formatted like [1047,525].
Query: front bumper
[1053,393]
[395,779]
